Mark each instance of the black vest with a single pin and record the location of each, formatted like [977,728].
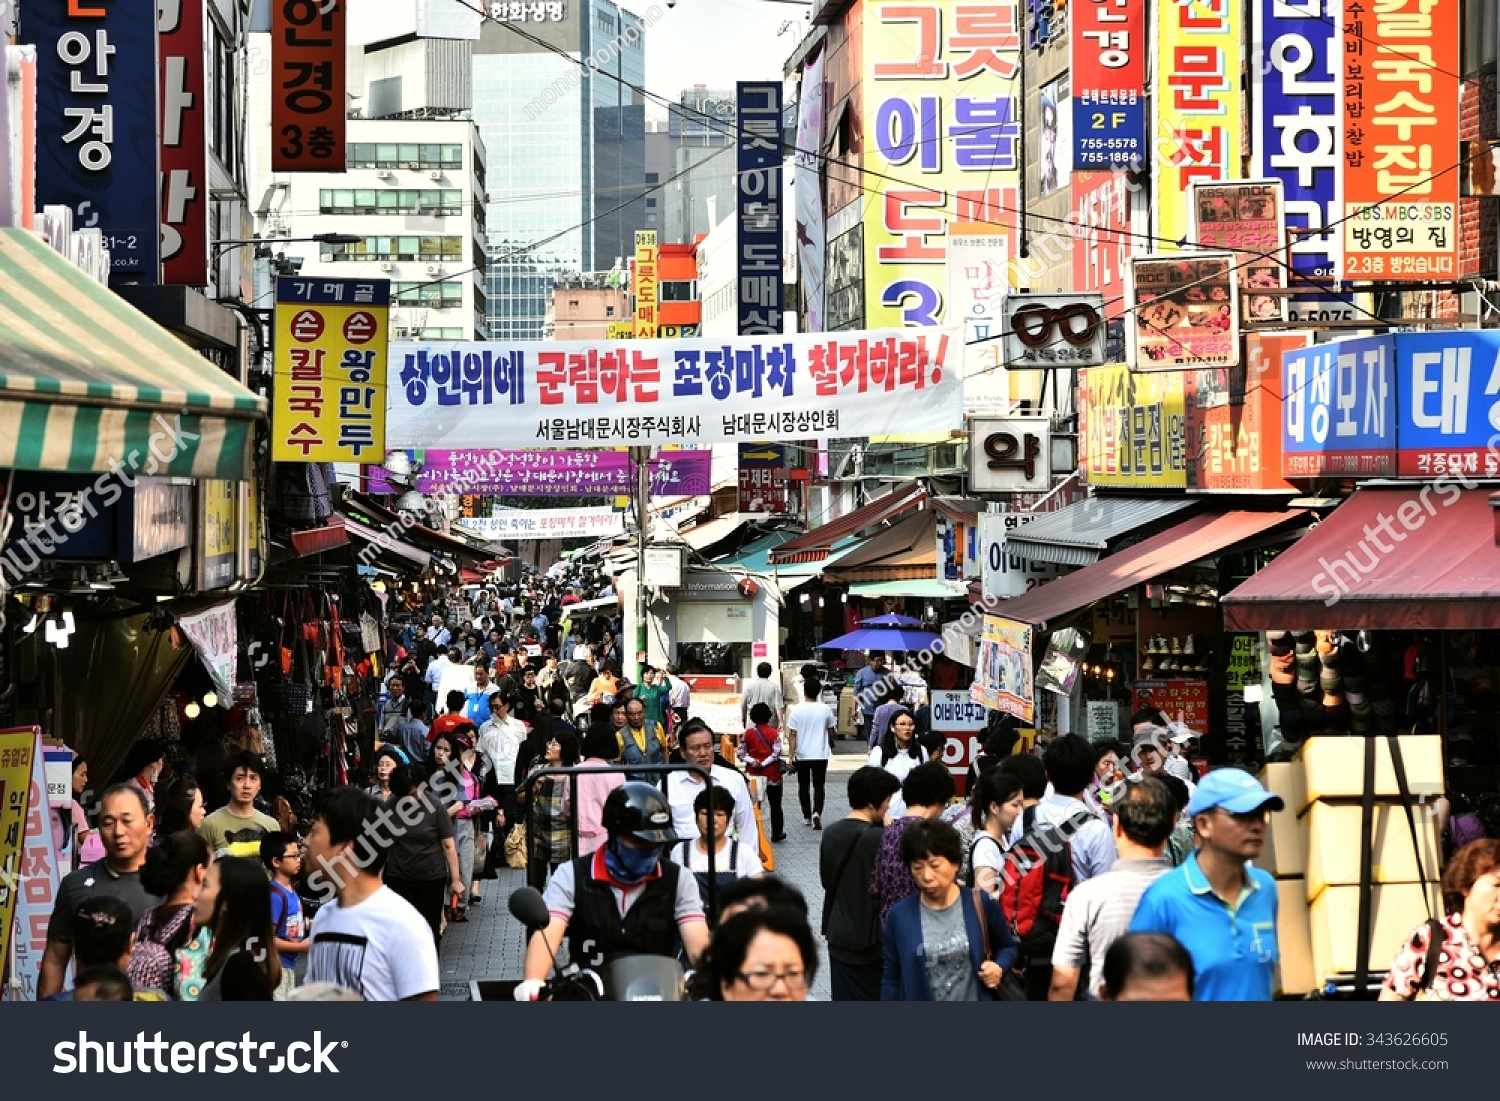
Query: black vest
[597,934]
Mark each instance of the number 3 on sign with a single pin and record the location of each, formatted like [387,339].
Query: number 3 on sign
[922,311]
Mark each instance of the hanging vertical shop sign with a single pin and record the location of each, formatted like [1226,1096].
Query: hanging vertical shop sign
[1339,416]
[331,356]
[308,85]
[644,284]
[1297,128]
[181,29]
[942,96]
[1107,42]
[1234,419]
[807,193]
[1400,138]
[1003,682]
[762,479]
[1104,242]
[1247,216]
[97,151]
[978,279]
[1184,311]
[17,749]
[1198,104]
[762,291]
[1133,428]
[217,545]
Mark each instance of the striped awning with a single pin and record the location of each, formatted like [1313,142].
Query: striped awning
[87,380]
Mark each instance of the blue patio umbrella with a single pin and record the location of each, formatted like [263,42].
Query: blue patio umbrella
[882,638]
[891,620]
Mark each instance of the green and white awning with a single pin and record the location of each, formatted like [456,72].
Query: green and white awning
[87,380]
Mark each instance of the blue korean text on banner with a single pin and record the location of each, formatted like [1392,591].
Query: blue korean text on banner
[97,150]
[1448,404]
[1339,409]
[758,187]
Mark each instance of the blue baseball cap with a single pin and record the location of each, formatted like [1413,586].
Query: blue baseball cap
[1235,790]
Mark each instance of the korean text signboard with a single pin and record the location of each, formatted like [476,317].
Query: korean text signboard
[1234,431]
[762,478]
[1297,129]
[97,151]
[562,473]
[1133,428]
[1186,311]
[40,875]
[1339,413]
[599,394]
[1246,216]
[1108,43]
[1183,701]
[644,278]
[569,523]
[1198,104]
[1010,454]
[1003,680]
[942,98]
[758,185]
[807,193]
[184,142]
[1449,403]
[1005,574]
[17,748]
[307,85]
[1105,243]
[1054,330]
[329,403]
[978,280]
[1400,138]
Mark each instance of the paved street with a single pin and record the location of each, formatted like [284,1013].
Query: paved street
[491,944]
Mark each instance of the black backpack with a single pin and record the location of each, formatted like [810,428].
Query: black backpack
[1035,886]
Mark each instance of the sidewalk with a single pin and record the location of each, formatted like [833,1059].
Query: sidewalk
[490,945]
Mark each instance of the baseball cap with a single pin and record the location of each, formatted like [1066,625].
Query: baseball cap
[1153,736]
[1181,734]
[1235,790]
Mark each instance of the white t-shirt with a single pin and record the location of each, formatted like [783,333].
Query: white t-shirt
[898,766]
[745,859]
[987,854]
[812,722]
[683,790]
[381,947]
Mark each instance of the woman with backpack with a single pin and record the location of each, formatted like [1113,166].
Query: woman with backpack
[945,943]
[176,868]
[994,807]
[898,753]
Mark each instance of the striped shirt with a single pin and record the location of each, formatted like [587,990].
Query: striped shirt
[1098,913]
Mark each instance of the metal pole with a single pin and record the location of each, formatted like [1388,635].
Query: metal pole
[642,499]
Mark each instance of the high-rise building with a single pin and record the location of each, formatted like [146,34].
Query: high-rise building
[689,155]
[555,99]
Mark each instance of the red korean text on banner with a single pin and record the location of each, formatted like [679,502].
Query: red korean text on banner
[184,142]
[307,85]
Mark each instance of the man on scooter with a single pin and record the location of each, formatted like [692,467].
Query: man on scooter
[623,900]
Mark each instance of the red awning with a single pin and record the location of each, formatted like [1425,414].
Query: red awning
[816,544]
[1414,557]
[1200,537]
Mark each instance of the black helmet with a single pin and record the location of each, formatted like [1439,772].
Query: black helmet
[640,810]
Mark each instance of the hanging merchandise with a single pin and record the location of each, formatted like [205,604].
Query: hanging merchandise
[1060,665]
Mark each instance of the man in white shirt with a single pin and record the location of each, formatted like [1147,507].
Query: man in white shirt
[500,741]
[762,690]
[438,634]
[433,676]
[366,937]
[679,696]
[683,788]
[810,727]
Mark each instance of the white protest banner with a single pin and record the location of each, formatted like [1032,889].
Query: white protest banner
[613,393]
[548,523]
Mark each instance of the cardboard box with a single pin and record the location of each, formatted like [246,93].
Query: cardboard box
[1285,851]
[1295,973]
[1332,838]
[1335,767]
[1334,916]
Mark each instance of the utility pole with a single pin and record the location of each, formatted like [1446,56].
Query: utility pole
[642,457]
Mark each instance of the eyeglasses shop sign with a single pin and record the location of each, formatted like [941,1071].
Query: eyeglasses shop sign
[1051,330]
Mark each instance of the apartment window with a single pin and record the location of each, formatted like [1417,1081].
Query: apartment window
[678,291]
[446,295]
[364,154]
[434,203]
[609,311]
[400,248]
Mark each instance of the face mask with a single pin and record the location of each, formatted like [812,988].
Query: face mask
[629,865]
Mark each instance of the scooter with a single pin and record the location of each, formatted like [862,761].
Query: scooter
[624,979]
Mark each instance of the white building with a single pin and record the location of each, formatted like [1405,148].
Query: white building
[413,191]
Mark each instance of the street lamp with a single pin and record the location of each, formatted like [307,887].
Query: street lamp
[263,244]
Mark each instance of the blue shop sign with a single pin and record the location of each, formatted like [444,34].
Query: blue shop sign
[60,517]
[1449,403]
[1339,411]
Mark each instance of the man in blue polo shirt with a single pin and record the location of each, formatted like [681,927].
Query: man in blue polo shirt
[1218,907]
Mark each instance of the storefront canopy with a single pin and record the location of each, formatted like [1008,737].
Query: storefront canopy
[1081,533]
[1200,537]
[905,552]
[928,588]
[820,541]
[1410,557]
[86,380]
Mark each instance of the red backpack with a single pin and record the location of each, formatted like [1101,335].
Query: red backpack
[1035,884]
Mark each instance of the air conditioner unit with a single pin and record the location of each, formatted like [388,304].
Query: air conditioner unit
[326,257]
[382,175]
[434,269]
[387,267]
[435,174]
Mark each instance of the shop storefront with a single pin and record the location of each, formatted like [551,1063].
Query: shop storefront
[716,624]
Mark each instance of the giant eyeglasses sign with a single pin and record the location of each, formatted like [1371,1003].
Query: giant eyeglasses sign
[1010,454]
[1050,330]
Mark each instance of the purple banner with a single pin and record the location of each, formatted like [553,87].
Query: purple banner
[562,473]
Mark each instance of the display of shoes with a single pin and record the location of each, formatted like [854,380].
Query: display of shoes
[1188,647]
[1148,665]
[1176,645]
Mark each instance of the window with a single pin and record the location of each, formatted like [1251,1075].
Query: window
[446,295]
[400,248]
[609,311]
[677,291]
[433,203]
[1478,36]
[404,155]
